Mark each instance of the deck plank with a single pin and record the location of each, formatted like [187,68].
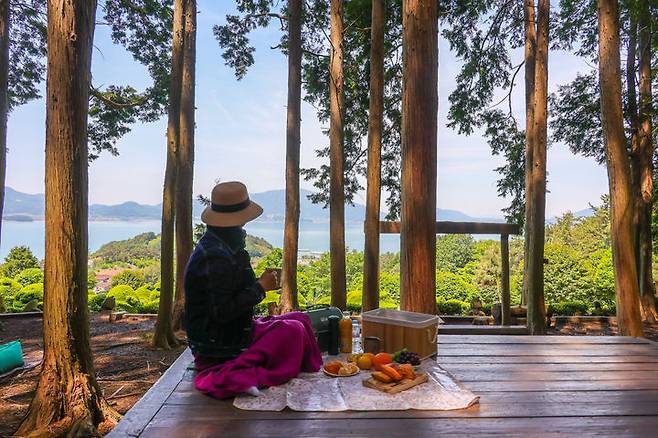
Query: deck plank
[528,386]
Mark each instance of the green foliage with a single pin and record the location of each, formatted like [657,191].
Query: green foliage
[451,307]
[354,301]
[18,259]
[131,277]
[233,38]
[273,260]
[569,308]
[149,307]
[257,247]
[30,276]
[576,116]
[32,292]
[482,35]
[452,286]
[9,288]
[454,251]
[27,51]
[95,301]
[143,246]
[125,298]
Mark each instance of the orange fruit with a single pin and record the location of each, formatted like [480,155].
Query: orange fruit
[381,359]
[365,362]
[333,367]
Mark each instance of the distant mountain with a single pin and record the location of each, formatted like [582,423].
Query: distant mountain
[17,203]
[273,203]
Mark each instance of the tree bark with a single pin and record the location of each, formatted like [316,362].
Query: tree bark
[621,197]
[68,400]
[419,143]
[530,56]
[4,101]
[337,160]
[535,261]
[645,152]
[289,291]
[633,117]
[185,159]
[164,334]
[370,294]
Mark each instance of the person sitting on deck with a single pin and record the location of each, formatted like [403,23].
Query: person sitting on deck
[235,353]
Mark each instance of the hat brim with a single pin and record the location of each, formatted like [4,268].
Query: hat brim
[235,219]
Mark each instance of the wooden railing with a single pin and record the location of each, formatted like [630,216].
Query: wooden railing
[501,229]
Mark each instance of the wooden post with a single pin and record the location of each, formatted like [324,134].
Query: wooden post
[504,279]
[419,142]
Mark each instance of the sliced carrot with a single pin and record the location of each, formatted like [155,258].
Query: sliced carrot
[389,371]
[378,375]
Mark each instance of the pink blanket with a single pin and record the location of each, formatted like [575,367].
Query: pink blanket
[282,347]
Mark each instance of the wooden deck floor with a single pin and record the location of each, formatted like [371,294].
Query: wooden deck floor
[528,386]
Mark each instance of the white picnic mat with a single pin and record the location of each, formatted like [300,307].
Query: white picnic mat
[318,392]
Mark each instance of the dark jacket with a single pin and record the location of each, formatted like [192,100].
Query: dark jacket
[220,294]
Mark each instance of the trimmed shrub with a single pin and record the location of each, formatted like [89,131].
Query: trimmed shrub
[149,307]
[131,277]
[8,289]
[451,286]
[31,292]
[125,298]
[452,307]
[29,276]
[569,308]
[94,301]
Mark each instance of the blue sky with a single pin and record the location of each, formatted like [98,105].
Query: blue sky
[241,133]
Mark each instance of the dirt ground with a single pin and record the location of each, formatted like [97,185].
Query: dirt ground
[126,366]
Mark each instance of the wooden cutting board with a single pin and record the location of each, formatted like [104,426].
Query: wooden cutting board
[395,387]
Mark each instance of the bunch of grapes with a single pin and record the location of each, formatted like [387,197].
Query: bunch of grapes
[409,357]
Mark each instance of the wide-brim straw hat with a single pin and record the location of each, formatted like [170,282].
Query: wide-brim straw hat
[230,206]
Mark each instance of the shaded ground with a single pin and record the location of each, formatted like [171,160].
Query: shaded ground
[126,366]
[593,329]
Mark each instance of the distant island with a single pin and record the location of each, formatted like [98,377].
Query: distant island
[28,207]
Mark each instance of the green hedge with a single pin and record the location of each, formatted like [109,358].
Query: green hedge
[29,276]
[451,307]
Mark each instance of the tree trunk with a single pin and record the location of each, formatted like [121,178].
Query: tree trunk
[530,55]
[535,261]
[621,198]
[164,334]
[185,158]
[68,400]
[634,124]
[370,294]
[419,143]
[293,127]
[337,160]
[4,101]
[645,152]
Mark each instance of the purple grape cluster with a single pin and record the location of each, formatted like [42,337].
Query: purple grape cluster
[409,357]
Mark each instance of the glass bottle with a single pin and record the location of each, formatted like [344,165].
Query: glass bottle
[346,333]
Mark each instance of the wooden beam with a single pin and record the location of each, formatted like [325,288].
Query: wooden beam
[419,143]
[444,227]
[504,280]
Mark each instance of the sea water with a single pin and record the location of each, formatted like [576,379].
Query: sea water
[313,236]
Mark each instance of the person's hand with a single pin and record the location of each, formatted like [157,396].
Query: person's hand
[269,280]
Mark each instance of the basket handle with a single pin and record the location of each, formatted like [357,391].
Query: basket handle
[432,338]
